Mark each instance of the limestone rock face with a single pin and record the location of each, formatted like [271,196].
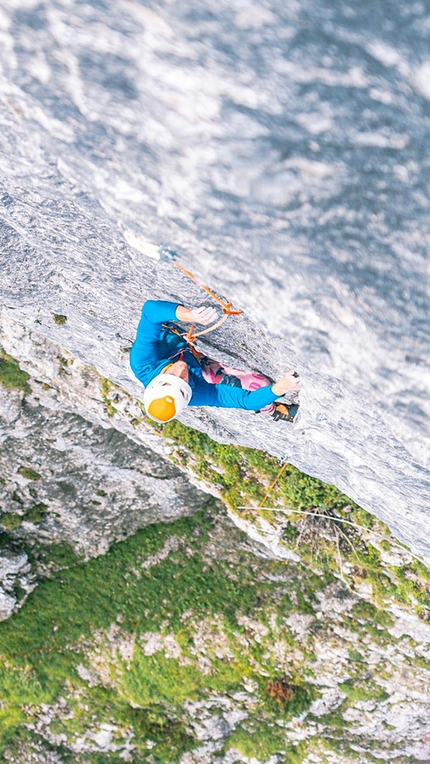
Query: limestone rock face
[279,152]
[14,570]
[7,604]
[69,475]
[95,485]
[371,683]
[80,466]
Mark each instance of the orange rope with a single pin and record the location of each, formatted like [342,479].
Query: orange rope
[190,336]
[273,485]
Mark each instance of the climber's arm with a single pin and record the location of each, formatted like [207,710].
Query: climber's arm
[226,396]
[154,314]
[157,312]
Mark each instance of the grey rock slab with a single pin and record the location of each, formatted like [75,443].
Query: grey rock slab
[15,570]
[7,604]
[97,485]
[101,478]
[11,564]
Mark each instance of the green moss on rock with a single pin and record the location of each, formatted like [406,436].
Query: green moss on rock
[29,473]
[36,513]
[10,520]
[11,376]
[59,319]
[107,388]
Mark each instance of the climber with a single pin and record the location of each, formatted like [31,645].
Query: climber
[175,375]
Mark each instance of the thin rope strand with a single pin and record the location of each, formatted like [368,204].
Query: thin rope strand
[191,336]
[225,305]
[271,487]
[338,520]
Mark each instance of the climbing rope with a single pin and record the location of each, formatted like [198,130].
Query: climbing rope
[306,513]
[273,485]
[191,335]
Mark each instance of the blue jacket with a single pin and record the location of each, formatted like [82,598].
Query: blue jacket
[155,346]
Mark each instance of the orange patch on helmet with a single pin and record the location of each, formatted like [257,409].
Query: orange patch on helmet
[162,409]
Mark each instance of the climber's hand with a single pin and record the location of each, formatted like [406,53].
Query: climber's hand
[201,315]
[290,381]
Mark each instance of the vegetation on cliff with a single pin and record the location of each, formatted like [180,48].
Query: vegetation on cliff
[11,376]
[181,626]
[183,637]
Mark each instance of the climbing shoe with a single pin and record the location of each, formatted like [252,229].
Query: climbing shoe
[286,412]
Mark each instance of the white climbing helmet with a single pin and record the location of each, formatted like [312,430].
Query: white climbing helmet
[166,396]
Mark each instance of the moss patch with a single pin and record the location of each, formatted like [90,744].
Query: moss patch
[42,644]
[243,474]
[11,376]
[36,513]
[59,319]
[28,473]
[10,520]
[324,542]
[108,393]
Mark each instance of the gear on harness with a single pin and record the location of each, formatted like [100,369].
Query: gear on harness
[175,330]
[285,411]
